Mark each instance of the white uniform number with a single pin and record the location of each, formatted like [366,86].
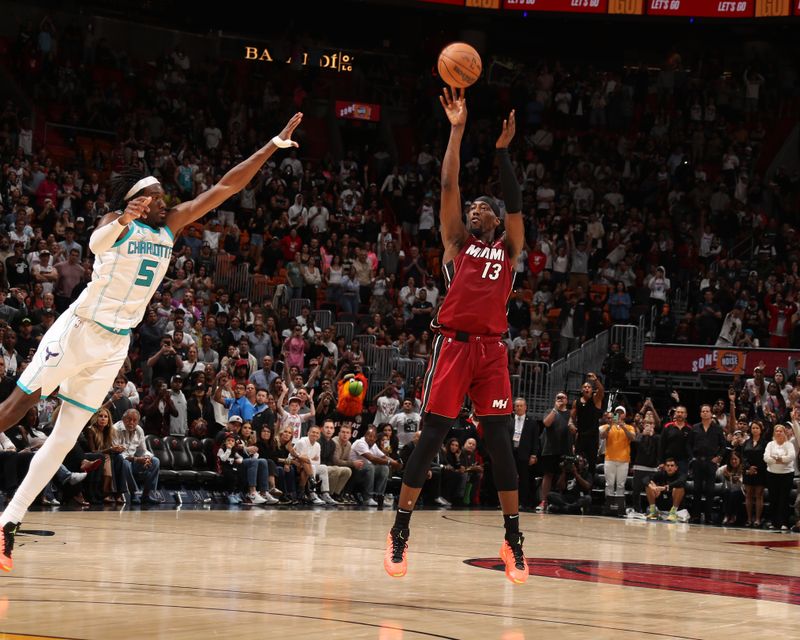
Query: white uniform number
[492,270]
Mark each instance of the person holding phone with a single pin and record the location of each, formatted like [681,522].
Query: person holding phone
[618,437]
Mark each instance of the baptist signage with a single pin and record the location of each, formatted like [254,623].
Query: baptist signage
[676,358]
[334,60]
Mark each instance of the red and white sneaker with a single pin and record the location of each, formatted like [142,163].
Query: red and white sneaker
[394,560]
[514,557]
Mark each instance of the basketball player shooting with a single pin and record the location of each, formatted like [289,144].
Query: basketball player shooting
[468,355]
[85,348]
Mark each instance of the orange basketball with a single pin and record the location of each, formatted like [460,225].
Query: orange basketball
[459,65]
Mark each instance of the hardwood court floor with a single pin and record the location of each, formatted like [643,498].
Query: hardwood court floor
[273,574]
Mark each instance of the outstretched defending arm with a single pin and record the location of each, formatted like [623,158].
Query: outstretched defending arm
[454,233]
[232,182]
[512,194]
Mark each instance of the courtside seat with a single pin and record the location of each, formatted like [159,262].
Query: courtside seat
[210,450]
[181,461]
[157,446]
[200,462]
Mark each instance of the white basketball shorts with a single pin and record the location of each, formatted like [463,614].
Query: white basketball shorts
[79,356]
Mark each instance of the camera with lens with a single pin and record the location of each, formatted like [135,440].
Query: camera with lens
[568,462]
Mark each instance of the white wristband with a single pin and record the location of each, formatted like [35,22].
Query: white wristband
[104,237]
[283,144]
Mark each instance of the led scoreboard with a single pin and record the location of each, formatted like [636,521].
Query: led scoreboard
[654,8]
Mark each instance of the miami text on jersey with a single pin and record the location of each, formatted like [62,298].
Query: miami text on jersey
[492,253]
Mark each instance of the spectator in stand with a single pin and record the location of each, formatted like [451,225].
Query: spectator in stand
[755,473]
[666,491]
[572,491]
[707,447]
[527,445]
[615,367]
[674,441]
[585,415]
[157,409]
[137,461]
[238,405]
[731,329]
[555,445]
[619,304]
[454,478]
[618,437]
[780,314]
[338,474]
[290,418]
[707,318]
[781,457]
[731,475]
[374,473]
[307,458]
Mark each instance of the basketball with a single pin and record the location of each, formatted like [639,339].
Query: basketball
[459,65]
[356,387]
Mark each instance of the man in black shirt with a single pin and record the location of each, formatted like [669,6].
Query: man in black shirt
[26,342]
[707,445]
[555,444]
[674,442]
[317,352]
[573,492]
[666,491]
[586,413]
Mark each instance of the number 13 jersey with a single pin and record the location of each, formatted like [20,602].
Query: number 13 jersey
[125,277]
[478,281]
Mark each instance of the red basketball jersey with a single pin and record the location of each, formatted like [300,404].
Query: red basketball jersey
[478,280]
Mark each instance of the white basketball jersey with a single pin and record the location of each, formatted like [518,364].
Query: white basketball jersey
[125,277]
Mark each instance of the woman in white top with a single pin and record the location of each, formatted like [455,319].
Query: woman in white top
[780,457]
[560,266]
[334,279]
[312,278]
[408,294]
[659,288]
[192,365]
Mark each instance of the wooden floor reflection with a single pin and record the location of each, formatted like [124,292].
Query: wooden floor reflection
[263,573]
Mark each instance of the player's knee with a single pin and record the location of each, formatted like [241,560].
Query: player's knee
[496,432]
[497,437]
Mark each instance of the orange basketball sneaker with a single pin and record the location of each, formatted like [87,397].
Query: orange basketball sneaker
[7,545]
[394,560]
[514,557]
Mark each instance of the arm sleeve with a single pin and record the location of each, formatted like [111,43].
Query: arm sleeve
[512,194]
[103,238]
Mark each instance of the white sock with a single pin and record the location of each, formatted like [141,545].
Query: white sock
[45,463]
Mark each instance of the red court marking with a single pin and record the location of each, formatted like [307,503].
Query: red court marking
[770,543]
[720,582]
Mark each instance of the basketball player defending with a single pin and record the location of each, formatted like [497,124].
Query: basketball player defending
[85,348]
[468,355]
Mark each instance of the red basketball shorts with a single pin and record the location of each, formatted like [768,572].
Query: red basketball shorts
[478,368]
